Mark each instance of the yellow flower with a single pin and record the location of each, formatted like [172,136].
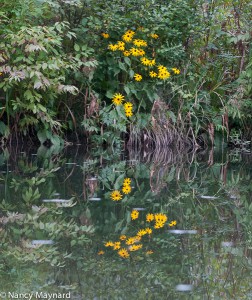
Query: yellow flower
[127,181]
[123,237]
[134,51]
[153,74]
[105,35]
[141,232]
[172,223]
[126,53]
[154,35]
[126,188]
[140,43]
[164,74]
[135,247]
[117,245]
[117,98]
[113,47]
[128,35]
[109,244]
[138,77]
[152,62]
[160,217]
[116,196]
[134,214]
[101,252]
[149,217]
[148,230]
[130,241]
[159,225]
[176,71]
[149,252]
[131,32]
[141,52]
[145,61]
[128,107]
[128,113]
[121,45]
[123,253]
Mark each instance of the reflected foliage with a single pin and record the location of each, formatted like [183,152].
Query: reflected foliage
[62,243]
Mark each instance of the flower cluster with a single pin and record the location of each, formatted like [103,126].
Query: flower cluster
[127,244]
[126,189]
[131,46]
[128,106]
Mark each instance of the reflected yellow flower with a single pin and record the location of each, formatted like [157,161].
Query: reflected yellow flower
[176,71]
[149,252]
[134,214]
[123,253]
[109,244]
[141,232]
[135,247]
[123,237]
[116,195]
[172,223]
[101,252]
[126,188]
[127,181]
[148,230]
[117,245]
[149,217]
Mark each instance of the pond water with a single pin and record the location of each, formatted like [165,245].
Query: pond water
[178,226]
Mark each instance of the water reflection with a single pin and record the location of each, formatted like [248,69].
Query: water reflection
[195,245]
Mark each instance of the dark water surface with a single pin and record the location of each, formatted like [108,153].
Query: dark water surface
[56,216]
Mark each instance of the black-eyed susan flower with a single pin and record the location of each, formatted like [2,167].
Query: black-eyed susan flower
[126,189]
[149,252]
[134,214]
[138,77]
[153,74]
[123,253]
[117,98]
[105,35]
[113,47]
[126,53]
[121,45]
[145,61]
[164,74]
[141,52]
[152,62]
[154,35]
[101,252]
[128,113]
[139,43]
[134,51]
[116,195]
[149,217]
